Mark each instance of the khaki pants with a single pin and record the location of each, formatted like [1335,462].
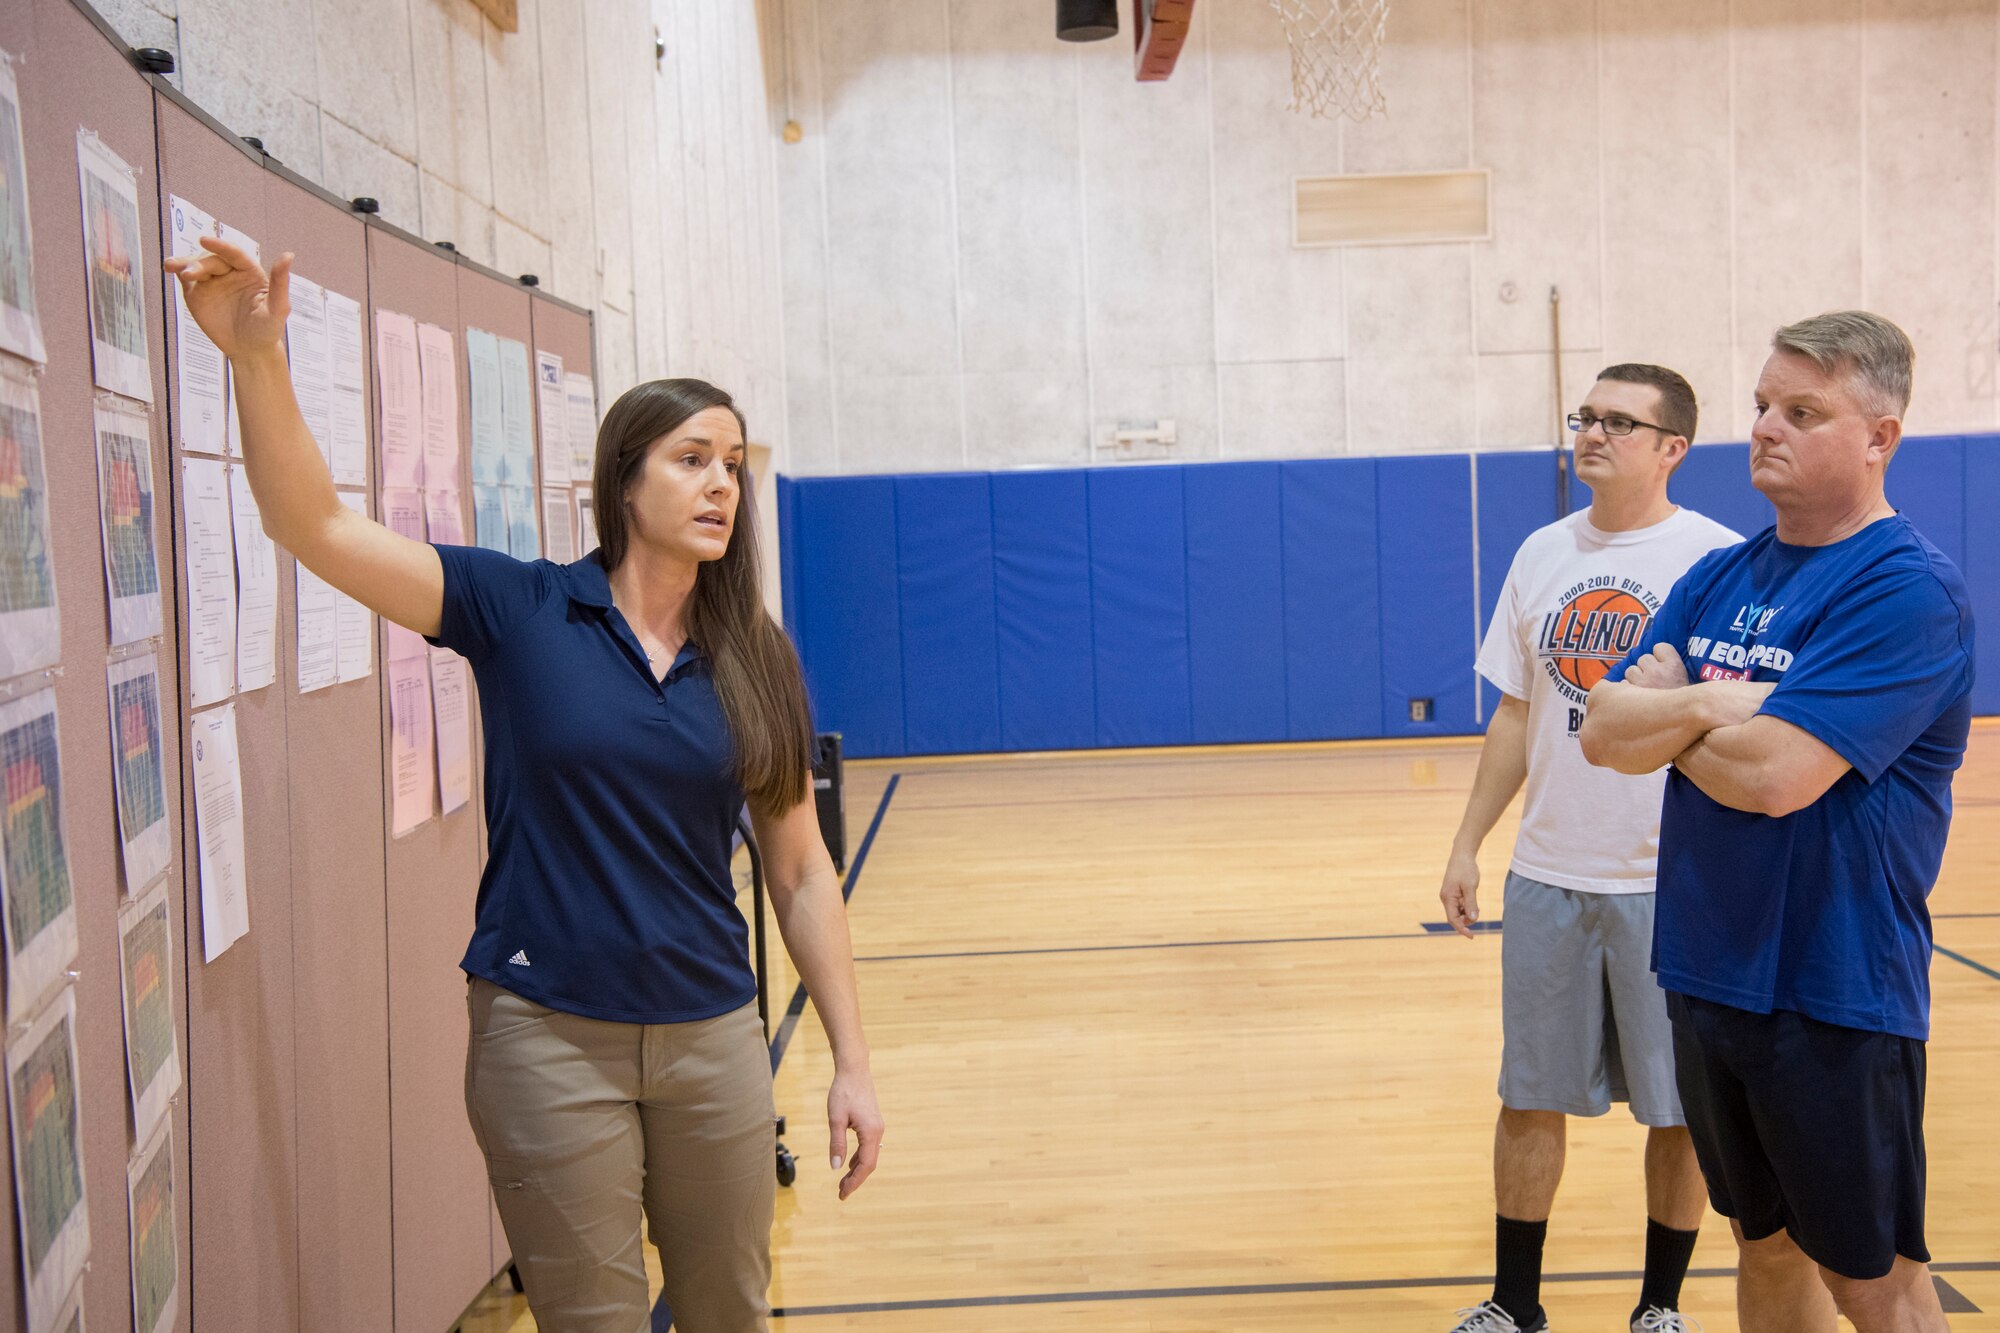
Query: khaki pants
[587,1125]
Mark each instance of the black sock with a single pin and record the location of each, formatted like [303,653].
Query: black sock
[1667,1255]
[1517,1278]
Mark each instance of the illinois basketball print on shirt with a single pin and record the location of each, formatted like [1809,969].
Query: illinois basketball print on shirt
[1592,629]
[1576,601]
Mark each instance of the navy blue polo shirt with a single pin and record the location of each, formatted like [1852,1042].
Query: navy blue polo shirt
[610,801]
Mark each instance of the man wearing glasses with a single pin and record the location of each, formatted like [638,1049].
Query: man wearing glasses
[1584,1021]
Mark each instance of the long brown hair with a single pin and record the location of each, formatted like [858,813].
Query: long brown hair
[755,668]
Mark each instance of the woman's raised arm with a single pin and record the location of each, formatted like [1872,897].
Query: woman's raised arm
[242,309]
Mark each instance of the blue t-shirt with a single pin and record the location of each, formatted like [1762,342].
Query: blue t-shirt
[1821,911]
[611,798]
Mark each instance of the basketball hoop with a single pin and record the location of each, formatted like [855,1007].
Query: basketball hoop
[1336,51]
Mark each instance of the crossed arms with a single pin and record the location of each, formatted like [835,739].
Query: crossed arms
[1712,732]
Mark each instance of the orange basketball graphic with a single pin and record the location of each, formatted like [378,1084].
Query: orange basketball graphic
[1592,633]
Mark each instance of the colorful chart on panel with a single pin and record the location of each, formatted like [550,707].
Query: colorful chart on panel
[128,515]
[27,582]
[51,1174]
[142,797]
[20,326]
[150,1026]
[38,885]
[155,1253]
[112,224]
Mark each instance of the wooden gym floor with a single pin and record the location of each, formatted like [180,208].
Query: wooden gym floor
[1170,1040]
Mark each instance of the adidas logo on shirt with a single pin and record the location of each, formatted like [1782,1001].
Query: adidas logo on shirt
[520,958]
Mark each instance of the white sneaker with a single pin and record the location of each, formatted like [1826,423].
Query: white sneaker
[1655,1320]
[1486,1317]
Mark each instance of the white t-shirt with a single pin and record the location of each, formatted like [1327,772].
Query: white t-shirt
[1576,601]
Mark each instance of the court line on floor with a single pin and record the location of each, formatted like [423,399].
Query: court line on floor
[1431,930]
[1961,958]
[1207,797]
[1129,948]
[1474,1281]
[797,1008]
[1260,753]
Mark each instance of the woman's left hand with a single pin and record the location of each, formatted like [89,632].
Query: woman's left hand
[850,1105]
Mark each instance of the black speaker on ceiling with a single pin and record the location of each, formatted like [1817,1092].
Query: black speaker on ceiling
[1086,20]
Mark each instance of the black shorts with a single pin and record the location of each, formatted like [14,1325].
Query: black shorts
[1807,1127]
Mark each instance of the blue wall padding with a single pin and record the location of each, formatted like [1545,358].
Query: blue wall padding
[1333,642]
[1139,620]
[951,666]
[1217,602]
[849,616]
[1715,480]
[1517,495]
[1429,620]
[788,541]
[1236,601]
[1041,588]
[1982,564]
[1926,483]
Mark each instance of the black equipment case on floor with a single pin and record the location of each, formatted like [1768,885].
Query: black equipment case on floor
[829,797]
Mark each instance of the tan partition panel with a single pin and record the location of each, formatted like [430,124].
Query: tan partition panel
[502,295]
[71,77]
[324,1050]
[339,903]
[242,1054]
[441,1200]
[17,38]
[502,308]
[563,329]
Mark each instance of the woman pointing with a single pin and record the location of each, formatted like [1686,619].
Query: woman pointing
[633,702]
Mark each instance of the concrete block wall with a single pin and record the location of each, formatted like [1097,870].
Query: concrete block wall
[643,189]
[997,245]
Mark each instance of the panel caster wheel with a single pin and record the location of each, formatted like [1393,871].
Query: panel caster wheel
[788,1166]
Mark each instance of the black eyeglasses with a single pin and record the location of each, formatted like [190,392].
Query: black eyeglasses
[1617,423]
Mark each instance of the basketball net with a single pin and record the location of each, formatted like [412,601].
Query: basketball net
[1336,49]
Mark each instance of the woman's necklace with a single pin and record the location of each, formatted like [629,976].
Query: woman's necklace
[664,653]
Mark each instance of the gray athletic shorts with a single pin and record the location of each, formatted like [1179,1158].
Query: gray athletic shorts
[1584,1017]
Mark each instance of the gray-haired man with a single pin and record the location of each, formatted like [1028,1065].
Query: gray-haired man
[1812,690]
